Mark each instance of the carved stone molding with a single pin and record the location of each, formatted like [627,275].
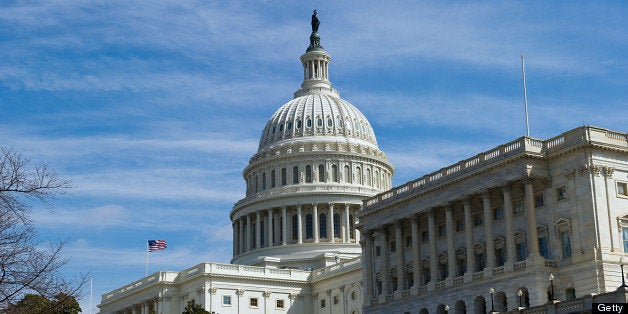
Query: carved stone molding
[570,174]
[608,171]
[240,292]
[200,290]
[266,294]
[293,296]
[213,290]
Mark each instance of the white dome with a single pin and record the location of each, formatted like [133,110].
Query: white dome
[317,115]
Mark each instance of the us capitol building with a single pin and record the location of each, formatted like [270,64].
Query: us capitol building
[321,230]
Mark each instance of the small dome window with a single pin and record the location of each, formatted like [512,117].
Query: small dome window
[289,125]
[330,122]
[274,129]
[340,123]
[298,124]
[281,127]
[308,122]
[319,122]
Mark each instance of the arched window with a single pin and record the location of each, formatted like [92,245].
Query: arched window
[309,234]
[281,127]
[340,122]
[289,126]
[264,181]
[283,176]
[321,173]
[256,183]
[299,123]
[319,122]
[272,178]
[295,227]
[295,175]
[330,122]
[334,173]
[308,122]
[308,174]
[347,175]
[368,177]
[322,226]
[376,179]
[358,175]
[336,225]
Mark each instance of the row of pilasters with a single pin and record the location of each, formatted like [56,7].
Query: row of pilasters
[247,229]
[432,254]
[315,69]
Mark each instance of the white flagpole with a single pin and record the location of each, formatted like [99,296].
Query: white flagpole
[90,294]
[525,96]
[146,273]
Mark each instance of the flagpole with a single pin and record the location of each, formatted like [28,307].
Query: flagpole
[525,96]
[146,273]
[90,294]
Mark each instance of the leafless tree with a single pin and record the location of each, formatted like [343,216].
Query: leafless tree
[26,264]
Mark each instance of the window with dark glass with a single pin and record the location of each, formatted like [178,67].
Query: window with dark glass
[517,207]
[309,234]
[295,175]
[334,173]
[308,174]
[295,227]
[264,181]
[522,251]
[283,176]
[337,225]
[425,236]
[543,247]
[622,189]
[461,266]
[478,220]
[538,200]
[459,225]
[322,225]
[500,256]
[480,261]
[272,178]
[565,238]
[498,213]
[321,173]
[253,302]
[561,193]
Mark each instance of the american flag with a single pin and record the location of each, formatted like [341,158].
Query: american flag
[156,245]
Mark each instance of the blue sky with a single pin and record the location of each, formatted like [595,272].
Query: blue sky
[154,108]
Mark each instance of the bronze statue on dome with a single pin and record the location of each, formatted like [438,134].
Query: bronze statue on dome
[315,22]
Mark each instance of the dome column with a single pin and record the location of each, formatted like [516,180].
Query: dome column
[346,230]
[269,237]
[248,233]
[241,239]
[331,223]
[284,224]
[315,222]
[258,230]
[299,224]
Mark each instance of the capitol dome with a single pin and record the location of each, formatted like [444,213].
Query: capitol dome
[316,162]
[317,115]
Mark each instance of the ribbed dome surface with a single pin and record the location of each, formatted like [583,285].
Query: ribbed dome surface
[317,115]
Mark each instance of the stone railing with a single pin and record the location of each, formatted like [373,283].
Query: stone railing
[520,265]
[522,145]
[169,277]
[337,267]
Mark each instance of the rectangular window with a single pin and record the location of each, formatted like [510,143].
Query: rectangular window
[561,193]
[517,207]
[253,302]
[459,225]
[441,230]
[543,247]
[393,246]
[478,220]
[538,200]
[624,232]
[461,266]
[570,294]
[565,238]
[322,303]
[425,236]
[480,261]
[622,189]
[426,275]
[500,256]
[378,251]
[408,241]
[335,299]
[498,213]
[521,251]
[279,304]
[226,300]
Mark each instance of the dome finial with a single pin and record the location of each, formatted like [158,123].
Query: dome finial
[315,40]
